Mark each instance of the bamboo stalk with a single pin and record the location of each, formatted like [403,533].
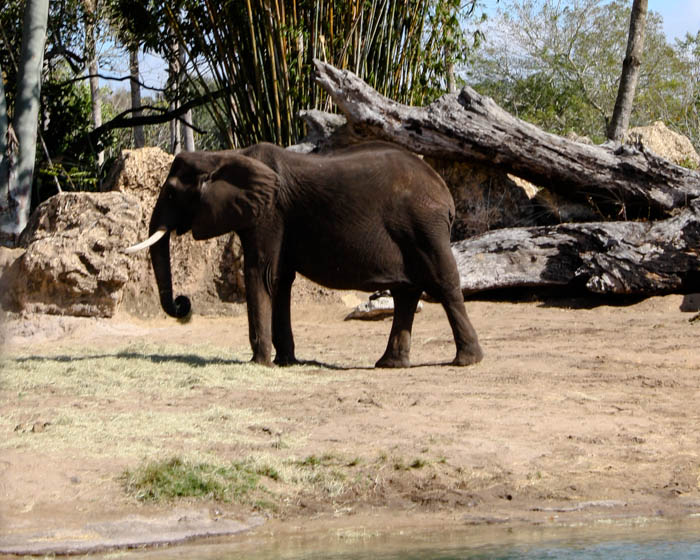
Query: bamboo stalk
[261,51]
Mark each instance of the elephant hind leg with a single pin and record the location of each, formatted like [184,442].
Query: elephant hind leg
[444,286]
[399,346]
[468,349]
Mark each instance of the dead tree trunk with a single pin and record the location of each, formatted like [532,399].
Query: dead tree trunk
[467,126]
[630,72]
[621,258]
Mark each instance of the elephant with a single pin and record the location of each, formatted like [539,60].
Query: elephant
[368,217]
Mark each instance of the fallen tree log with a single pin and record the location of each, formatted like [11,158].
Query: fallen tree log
[611,258]
[621,181]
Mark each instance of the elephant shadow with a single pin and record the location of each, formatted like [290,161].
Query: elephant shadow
[336,367]
[193,360]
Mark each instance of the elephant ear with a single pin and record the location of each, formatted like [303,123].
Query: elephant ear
[234,196]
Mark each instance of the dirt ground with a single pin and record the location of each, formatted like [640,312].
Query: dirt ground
[577,414]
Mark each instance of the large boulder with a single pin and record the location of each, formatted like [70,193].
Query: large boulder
[73,263]
[9,277]
[663,141]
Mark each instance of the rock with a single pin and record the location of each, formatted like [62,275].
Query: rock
[552,208]
[9,265]
[665,142]
[73,263]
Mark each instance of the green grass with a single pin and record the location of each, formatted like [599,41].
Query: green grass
[239,481]
[176,478]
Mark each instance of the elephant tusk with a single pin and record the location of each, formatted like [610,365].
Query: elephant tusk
[160,232]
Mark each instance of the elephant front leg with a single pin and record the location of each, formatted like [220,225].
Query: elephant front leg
[399,346]
[282,337]
[259,305]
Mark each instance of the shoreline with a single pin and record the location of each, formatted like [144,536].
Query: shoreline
[165,536]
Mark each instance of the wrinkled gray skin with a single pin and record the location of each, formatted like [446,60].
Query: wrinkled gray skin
[370,217]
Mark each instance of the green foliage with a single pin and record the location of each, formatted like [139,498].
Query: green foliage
[175,478]
[558,65]
[64,118]
[261,53]
[65,121]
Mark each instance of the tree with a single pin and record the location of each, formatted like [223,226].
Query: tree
[681,108]
[556,64]
[135,87]
[630,72]
[90,15]
[260,54]
[15,188]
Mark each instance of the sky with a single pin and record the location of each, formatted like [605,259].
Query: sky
[680,16]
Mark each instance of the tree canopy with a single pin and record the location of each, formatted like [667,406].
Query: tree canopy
[558,65]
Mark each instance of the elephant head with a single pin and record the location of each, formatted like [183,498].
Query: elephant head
[209,194]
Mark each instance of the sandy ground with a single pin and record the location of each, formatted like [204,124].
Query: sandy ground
[576,414]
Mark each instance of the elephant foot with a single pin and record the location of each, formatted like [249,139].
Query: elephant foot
[286,361]
[393,362]
[260,360]
[468,358]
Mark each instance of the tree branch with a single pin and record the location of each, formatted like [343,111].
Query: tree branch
[74,61]
[113,79]
[121,120]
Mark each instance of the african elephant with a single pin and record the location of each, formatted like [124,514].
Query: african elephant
[369,217]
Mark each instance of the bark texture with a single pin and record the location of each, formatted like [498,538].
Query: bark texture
[622,180]
[630,72]
[134,70]
[621,258]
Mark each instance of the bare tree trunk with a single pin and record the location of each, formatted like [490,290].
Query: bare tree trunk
[139,137]
[186,131]
[16,189]
[4,131]
[630,72]
[174,76]
[93,69]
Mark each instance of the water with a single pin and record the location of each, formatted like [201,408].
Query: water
[672,541]
[618,550]
[622,550]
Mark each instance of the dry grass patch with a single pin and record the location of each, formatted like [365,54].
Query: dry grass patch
[145,400]
[142,367]
[190,423]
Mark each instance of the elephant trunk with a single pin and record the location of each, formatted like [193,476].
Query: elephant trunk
[160,259]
